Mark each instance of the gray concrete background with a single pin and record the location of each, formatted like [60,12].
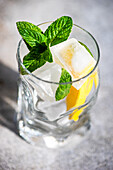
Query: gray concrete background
[96,151]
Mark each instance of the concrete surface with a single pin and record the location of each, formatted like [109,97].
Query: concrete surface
[96,151]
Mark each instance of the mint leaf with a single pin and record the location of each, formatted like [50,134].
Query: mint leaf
[59,30]
[30,33]
[63,89]
[86,48]
[48,56]
[28,46]
[35,58]
[32,63]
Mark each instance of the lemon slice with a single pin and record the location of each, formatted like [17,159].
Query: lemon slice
[78,97]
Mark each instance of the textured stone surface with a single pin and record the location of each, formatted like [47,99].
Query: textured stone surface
[96,151]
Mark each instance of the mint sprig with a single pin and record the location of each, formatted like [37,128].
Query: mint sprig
[63,89]
[39,44]
[33,36]
[59,30]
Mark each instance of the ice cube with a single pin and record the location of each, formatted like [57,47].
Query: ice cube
[74,57]
[50,72]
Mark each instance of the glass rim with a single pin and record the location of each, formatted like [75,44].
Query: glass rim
[53,82]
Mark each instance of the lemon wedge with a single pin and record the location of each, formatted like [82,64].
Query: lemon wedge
[78,97]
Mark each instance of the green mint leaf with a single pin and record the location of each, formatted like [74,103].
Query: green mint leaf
[86,48]
[63,89]
[33,64]
[48,56]
[59,30]
[28,46]
[37,57]
[34,59]
[31,33]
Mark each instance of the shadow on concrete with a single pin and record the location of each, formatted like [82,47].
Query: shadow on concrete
[8,97]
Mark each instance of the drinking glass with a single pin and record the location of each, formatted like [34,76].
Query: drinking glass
[42,120]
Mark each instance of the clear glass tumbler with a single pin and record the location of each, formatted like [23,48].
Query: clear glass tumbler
[43,120]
